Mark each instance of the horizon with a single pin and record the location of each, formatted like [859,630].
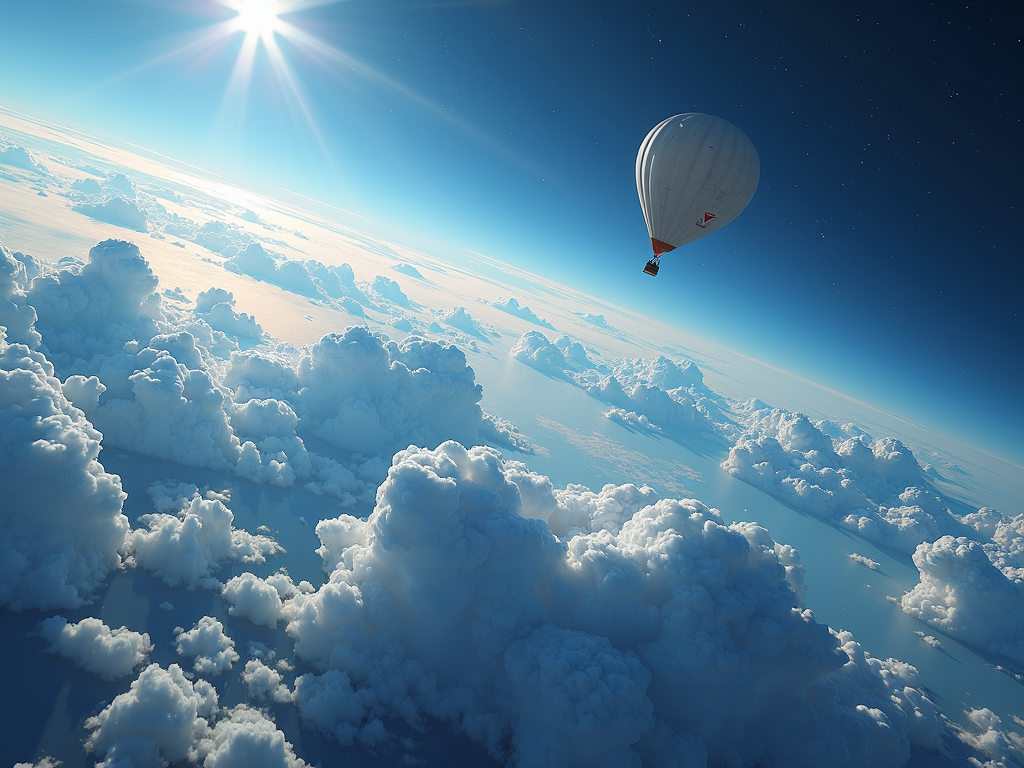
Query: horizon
[1000,452]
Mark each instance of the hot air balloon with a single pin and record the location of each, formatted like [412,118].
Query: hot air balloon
[695,173]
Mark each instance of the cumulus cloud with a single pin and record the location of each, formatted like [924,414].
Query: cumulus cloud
[1002,538]
[217,307]
[389,290]
[61,525]
[256,599]
[534,349]
[263,683]
[16,315]
[212,651]
[670,395]
[867,562]
[459,318]
[306,278]
[512,306]
[116,211]
[963,595]
[633,420]
[156,722]
[873,488]
[407,269]
[44,762]
[19,157]
[185,548]
[368,395]
[1001,745]
[450,601]
[244,736]
[94,646]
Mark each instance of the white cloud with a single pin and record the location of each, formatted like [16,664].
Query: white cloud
[212,651]
[217,307]
[61,525]
[94,646]
[1001,745]
[19,157]
[512,306]
[459,318]
[448,602]
[244,736]
[1004,539]
[16,315]
[867,562]
[116,211]
[87,316]
[366,394]
[582,702]
[633,420]
[263,683]
[407,269]
[157,721]
[534,349]
[389,290]
[672,396]
[873,488]
[256,599]
[185,548]
[44,762]
[963,595]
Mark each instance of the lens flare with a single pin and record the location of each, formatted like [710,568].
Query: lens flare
[257,17]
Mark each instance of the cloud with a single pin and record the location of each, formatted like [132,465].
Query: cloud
[963,595]
[534,349]
[867,562]
[1003,746]
[217,307]
[61,525]
[459,318]
[365,394]
[633,420]
[669,395]
[449,602]
[94,646]
[44,762]
[873,488]
[389,290]
[511,306]
[87,316]
[16,315]
[407,269]
[157,721]
[259,600]
[185,548]
[1003,539]
[116,211]
[263,683]
[582,701]
[596,320]
[306,278]
[244,736]
[19,157]
[212,651]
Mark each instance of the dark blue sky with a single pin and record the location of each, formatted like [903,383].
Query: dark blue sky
[882,255]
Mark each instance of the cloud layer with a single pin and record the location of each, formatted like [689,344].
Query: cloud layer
[61,525]
[449,602]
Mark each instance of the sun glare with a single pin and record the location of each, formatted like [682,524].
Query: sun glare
[257,17]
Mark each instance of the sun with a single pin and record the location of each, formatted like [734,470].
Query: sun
[257,17]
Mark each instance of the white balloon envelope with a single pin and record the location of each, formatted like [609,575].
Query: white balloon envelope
[694,173]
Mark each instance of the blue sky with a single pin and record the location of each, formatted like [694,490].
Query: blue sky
[881,256]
